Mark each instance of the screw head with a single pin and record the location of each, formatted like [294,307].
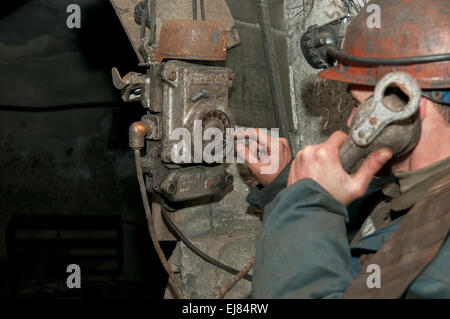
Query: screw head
[171,188]
[172,76]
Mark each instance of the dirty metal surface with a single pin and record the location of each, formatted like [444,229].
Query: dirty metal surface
[215,10]
[194,97]
[195,182]
[183,82]
[400,136]
[383,111]
[191,40]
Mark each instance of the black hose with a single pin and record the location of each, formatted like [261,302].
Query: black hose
[341,55]
[143,16]
[151,228]
[202,8]
[272,67]
[192,247]
[152,22]
[194,9]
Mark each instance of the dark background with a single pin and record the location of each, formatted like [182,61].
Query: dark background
[68,189]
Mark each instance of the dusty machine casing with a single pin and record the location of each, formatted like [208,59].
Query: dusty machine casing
[181,89]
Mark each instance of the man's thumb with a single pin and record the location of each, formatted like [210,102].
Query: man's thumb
[371,165]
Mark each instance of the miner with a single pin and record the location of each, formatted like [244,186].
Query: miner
[401,249]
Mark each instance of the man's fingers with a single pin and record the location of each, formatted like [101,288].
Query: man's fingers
[371,165]
[254,134]
[249,157]
[251,133]
[255,147]
[336,139]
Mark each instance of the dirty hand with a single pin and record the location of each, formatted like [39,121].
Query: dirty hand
[266,155]
[321,163]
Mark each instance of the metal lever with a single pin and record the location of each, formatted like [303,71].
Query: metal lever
[384,121]
[198,96]
[131,85]
[118,81]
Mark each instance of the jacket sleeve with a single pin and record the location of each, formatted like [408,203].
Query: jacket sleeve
[260,196]
[303,250]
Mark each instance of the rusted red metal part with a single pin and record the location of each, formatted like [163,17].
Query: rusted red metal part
[191,40]
[408,28]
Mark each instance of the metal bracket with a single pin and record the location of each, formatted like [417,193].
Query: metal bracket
[131,85]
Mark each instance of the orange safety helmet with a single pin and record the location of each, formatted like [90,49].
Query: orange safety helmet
[409,28]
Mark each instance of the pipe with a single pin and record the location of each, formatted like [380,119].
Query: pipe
[236,279]
[151,228]
[272,68]
[137,132]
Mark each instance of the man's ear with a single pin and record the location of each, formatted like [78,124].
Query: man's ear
[423,108]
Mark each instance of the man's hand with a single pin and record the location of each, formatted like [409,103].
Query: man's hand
[321,163]
[267,155]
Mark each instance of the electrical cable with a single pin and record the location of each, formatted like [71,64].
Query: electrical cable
[138,10]
[152,22]
[151,228]
[202,8]
[341,55]
[143,16]
[194,9]
[347,4]
[192,247]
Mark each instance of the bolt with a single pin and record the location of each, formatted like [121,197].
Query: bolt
[373,121]
[361,134]
[172,76]
[171,188]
